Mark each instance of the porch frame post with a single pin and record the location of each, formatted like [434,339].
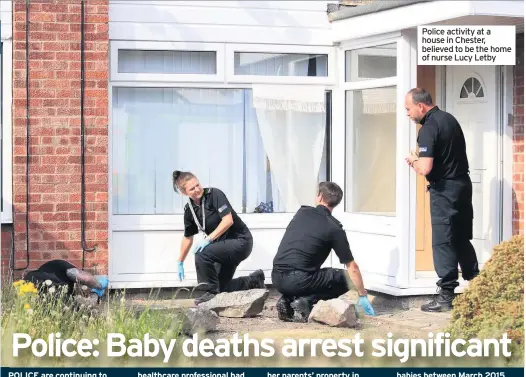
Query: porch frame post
[406,178]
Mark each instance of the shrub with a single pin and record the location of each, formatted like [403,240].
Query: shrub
[493,304]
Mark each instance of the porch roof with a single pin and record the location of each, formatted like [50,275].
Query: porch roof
[377,6]
[383,17]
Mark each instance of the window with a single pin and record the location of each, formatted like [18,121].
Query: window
[5,126]
[238,140]
[472,88]
[168,62]
[371,150]
[371,129]
[279,64]
[276,64]
[2,147]
[370,63]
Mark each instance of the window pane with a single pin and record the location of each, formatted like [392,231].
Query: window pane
[293,147]
[270,64]
[371,151]
[2,167]
[370,63]
[217,135]
[171,62]
[159,130]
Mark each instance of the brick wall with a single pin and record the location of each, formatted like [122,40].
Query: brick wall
[55,163]
[518,139]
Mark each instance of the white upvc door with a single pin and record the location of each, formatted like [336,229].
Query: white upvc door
[371,137]
[472,93]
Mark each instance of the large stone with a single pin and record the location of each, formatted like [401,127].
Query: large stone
[197,320]
[238,304]
[336,313]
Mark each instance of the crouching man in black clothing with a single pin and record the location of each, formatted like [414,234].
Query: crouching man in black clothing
[308,241]
[56,274]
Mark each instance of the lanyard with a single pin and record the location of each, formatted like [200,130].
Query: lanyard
[201,228]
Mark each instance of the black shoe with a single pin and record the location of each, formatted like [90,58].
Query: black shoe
[285,311]
[257,279]
[207,296]
[302,309]
[442,303]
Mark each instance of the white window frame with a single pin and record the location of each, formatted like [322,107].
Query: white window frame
[231,77]
[175,222]
[371,223]
[402,225]
[221,81]
[115,46]
[7,140]
[370,52]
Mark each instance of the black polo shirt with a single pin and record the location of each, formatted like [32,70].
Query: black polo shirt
[309,239]
[441,137]
[55,271]
[216,207]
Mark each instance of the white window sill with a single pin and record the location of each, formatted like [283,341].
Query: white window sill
[6,220]
[176,222]
[352,222]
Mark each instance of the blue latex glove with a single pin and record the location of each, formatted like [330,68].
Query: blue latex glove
[180,270]
[201,245]
[363,301]
[103,281]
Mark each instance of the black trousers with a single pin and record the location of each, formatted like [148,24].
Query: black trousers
[216,264]
[452,231]
[324,284]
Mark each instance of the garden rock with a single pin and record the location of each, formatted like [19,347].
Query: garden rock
[198,320]
[337,312]
[240,304]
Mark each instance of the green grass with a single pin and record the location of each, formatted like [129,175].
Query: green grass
[39,314]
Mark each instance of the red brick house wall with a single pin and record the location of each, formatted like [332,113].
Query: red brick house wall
[55,133]
[518,139]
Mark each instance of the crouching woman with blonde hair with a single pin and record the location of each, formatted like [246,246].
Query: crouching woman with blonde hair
[224,243]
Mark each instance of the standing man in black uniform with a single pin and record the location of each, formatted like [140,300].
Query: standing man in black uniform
[442,159]
[226,240]
[308,241]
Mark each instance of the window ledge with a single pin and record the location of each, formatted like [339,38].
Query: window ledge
[385,225]
[175,222]
[6,220]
